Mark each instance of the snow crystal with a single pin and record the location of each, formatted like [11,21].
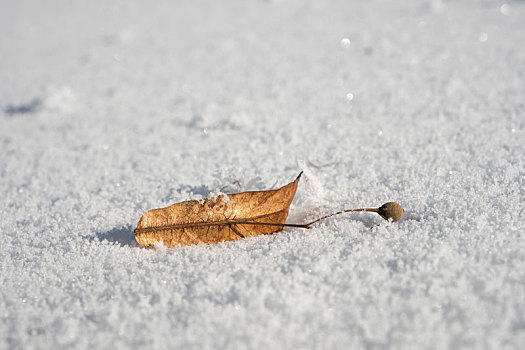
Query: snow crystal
[345,43]
[505,9]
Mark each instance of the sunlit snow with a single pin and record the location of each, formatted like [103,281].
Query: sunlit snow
[109,109]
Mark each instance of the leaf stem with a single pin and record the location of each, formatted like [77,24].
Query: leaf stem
[308,225]
[375,210]
[231,223]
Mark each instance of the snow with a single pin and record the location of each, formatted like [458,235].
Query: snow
[108,109]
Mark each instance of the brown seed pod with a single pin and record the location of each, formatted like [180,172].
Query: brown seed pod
[391,210]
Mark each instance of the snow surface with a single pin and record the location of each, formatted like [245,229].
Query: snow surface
[111,108]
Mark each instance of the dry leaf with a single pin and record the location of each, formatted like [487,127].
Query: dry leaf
[214,220]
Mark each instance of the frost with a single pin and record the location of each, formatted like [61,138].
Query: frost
[61,99]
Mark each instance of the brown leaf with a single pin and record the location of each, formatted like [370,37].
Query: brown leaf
[214,220]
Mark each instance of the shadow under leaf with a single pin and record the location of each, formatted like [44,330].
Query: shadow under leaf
[123,236]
